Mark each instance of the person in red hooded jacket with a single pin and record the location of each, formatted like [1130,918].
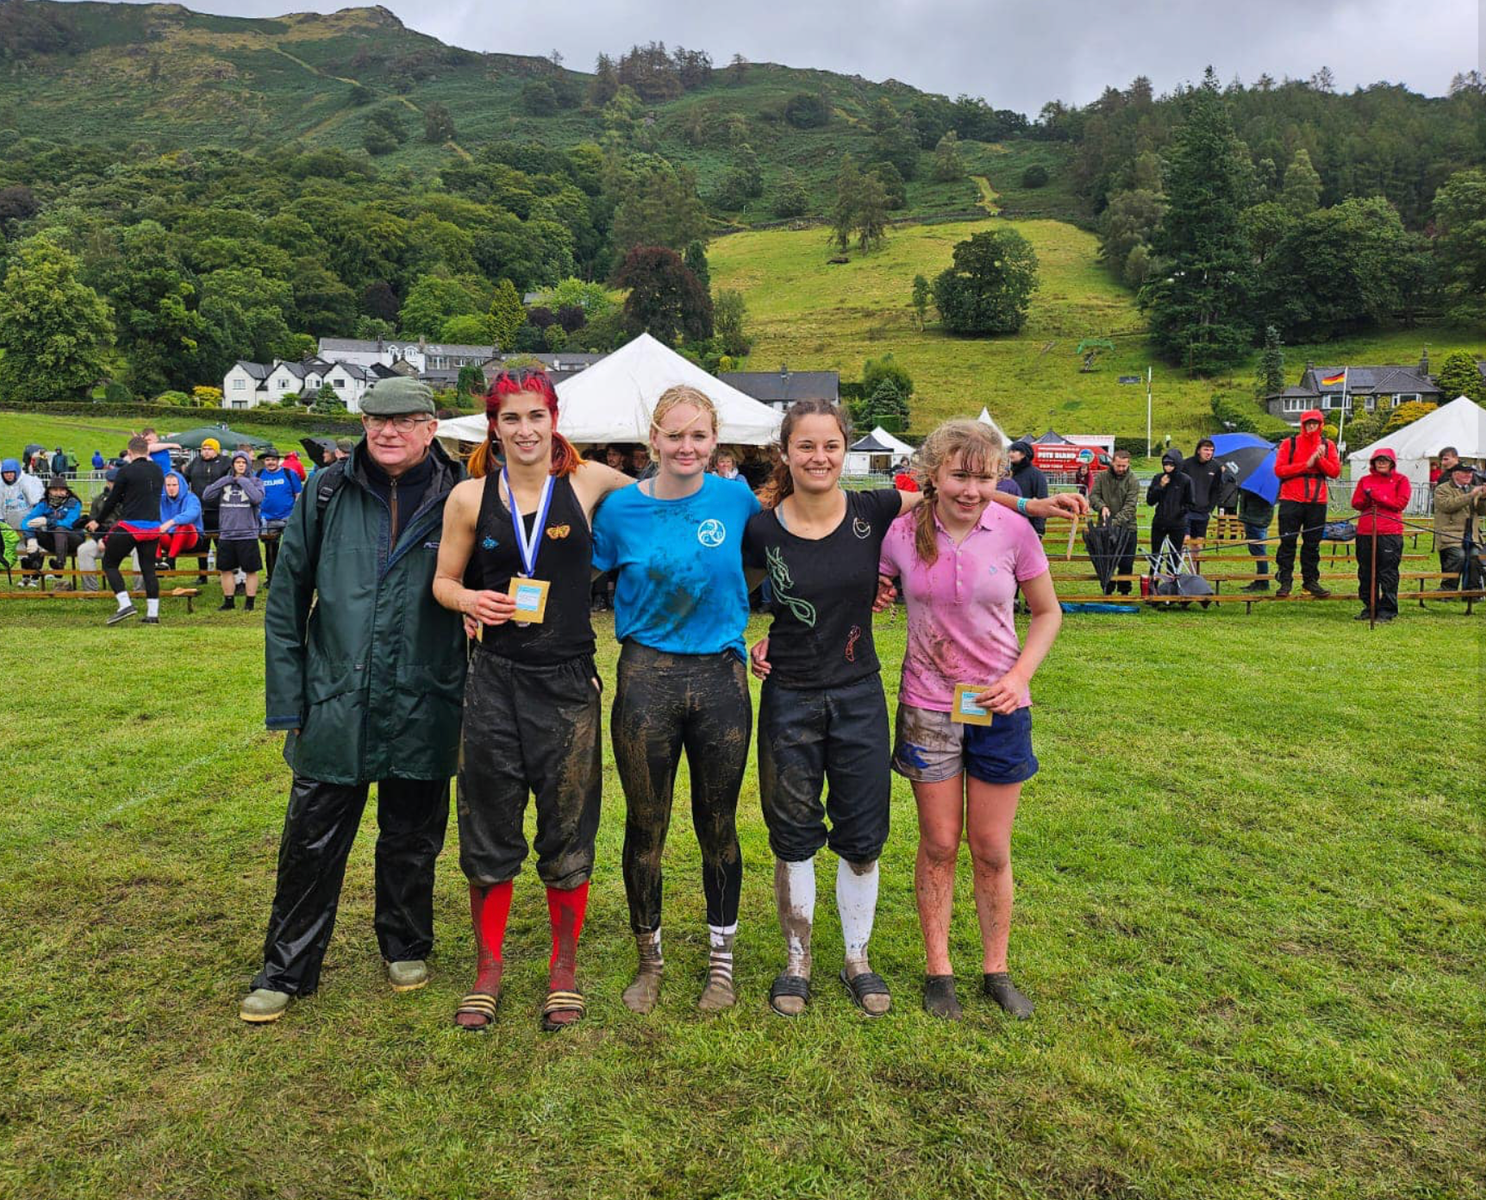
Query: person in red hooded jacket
[1380,496]
[1304,462]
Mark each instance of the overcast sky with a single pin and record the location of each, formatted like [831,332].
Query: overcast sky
[1016,55]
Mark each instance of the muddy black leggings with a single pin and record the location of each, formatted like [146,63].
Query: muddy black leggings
[662,704]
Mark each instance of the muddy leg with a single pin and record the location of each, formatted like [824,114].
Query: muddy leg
[794,896]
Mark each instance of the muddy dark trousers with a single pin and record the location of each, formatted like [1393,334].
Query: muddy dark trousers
[529,730]
[319,830]
[1308,522]
[833,739]
[119,544]
[1390,552]
[664,703]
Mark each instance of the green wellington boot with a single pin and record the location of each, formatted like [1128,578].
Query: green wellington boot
[263,1005]
[407,976]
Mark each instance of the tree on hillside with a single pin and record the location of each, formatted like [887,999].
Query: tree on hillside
[604,85]
[1270,378]
[244,313]
[1264,227]
[988,288]
[894,190]
[948,165]
[467,329]
[876,370]
[53,328]
[438,125]
[431,302]
[1459,376]
[1302,192]
[695,259]
[790,199]
[661,209]
[920,298]
[729,313]
[1199,305]
[506,315]
[886,405]
[665,299]
[807,110]
[1131,220]
[844,209]
[1460,248]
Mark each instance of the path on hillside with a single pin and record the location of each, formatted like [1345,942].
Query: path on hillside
[338,117]
[988,195]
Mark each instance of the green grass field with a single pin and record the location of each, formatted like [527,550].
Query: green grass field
[83,435]
[1249,910]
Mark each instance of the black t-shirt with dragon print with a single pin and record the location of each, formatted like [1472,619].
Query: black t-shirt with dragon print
[821,591]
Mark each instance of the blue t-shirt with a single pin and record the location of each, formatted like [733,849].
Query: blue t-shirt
[279,489]
[680,562]
[161,458]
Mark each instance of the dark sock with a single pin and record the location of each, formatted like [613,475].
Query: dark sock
[248,603]
[227,602]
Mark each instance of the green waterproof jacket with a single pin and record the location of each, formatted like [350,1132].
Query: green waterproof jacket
[359,657]
[1116,494]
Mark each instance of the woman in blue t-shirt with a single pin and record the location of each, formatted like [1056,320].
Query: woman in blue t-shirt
[680,608]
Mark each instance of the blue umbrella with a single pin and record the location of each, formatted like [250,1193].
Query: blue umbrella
[1249,461]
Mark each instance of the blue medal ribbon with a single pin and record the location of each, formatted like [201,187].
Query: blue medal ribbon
[529,549]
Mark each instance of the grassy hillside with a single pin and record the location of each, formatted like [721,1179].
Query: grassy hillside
[811,315]
[167,77]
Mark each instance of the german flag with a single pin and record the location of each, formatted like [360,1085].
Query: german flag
[1334,380]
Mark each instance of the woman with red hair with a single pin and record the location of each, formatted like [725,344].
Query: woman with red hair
[516,560]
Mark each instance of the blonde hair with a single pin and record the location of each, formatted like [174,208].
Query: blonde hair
[980,451]
[675,397]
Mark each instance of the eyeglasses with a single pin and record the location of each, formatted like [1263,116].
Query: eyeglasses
[403,423]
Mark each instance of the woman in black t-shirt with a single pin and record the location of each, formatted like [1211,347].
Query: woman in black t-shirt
[531,703]
[823,717]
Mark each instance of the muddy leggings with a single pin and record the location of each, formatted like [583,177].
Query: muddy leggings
[662,704]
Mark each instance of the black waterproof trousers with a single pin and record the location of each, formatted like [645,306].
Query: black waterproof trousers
[1390,552]
[119,545]
[319,830]
[662,704]
[1308,522]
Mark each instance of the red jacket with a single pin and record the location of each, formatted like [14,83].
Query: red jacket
[1381,498]
[1298,480]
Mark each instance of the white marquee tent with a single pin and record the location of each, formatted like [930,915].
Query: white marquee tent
[1461,423]
[612,401]
[985,418]
[878,444]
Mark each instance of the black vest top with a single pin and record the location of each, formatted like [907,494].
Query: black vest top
[564,560]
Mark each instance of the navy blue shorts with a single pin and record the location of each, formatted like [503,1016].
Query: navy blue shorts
[929,747]
[1197,524]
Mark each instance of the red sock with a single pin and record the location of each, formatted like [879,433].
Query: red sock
[566,907]
[489,909]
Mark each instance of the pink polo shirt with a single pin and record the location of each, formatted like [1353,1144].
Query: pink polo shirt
[960,624]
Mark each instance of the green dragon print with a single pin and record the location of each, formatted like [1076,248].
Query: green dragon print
[780,578]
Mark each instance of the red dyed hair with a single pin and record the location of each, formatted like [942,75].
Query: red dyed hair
[565,457]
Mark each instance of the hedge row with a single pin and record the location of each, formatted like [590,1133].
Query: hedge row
[174,416]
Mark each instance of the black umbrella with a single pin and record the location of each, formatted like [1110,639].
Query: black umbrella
[320,449]
[1106,545]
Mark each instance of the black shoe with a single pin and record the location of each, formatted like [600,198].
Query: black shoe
[940,999]
[1258,585]
[998,987]
[1384,617]
[1315,589]
[149,620]
[248,604]
[1363,615]
[227,605]
[123,614]
[1282,592]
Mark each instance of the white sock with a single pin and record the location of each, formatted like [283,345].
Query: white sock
[152,607]
[794,896]
[720,960]
[123,599]
[856,901]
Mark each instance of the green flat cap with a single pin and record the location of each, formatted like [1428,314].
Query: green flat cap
[396,396]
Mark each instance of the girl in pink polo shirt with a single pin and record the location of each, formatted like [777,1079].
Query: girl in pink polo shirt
[960,559]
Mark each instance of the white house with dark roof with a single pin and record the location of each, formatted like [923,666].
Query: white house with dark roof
[243,385]
[1367,388]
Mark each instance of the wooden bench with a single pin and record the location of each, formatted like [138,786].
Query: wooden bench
[1252,598]
[189,594]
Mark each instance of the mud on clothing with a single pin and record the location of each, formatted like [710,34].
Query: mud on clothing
[929,747]
[529,728]
[531,704]
[821,591]
[836,737]
[663,703]
[681,586]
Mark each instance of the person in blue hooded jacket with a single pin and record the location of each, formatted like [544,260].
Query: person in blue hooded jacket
[52,523]
[281,487]
[180,519]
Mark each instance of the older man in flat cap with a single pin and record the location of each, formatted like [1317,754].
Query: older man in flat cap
[365,672]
